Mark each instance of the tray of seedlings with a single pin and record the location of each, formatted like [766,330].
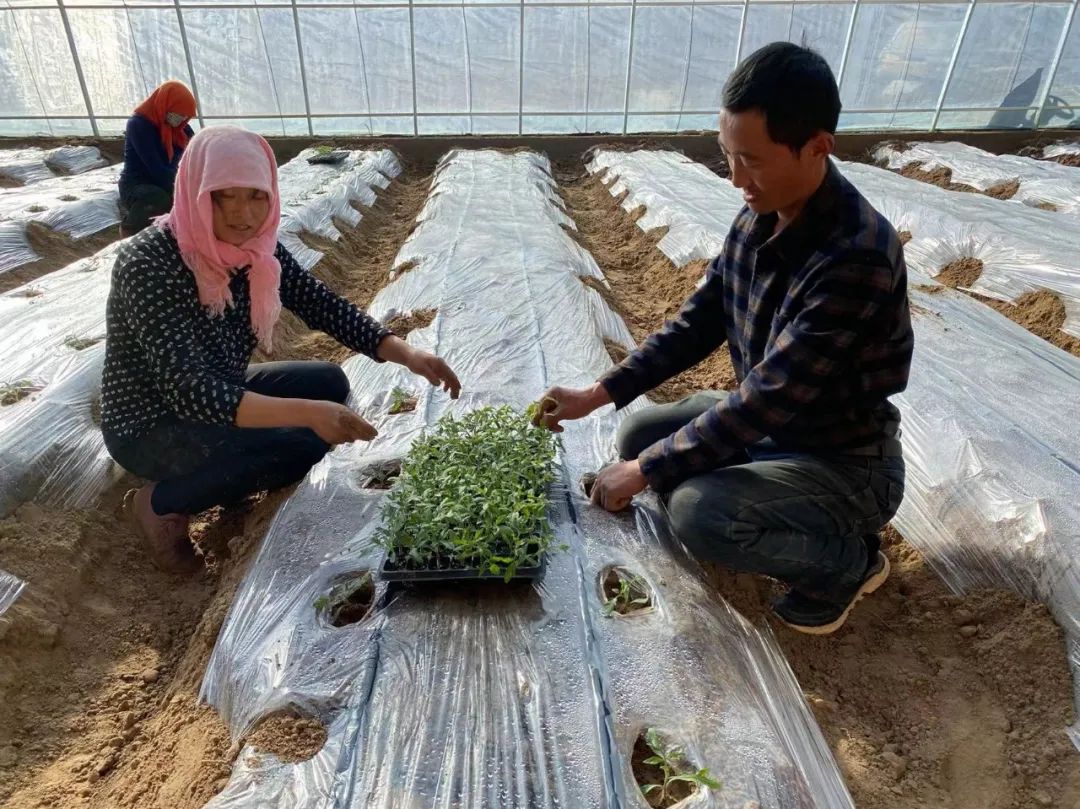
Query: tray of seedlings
[327,155]
[471,502]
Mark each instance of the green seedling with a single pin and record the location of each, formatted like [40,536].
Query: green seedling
[672,763]
[12,392]
[401,401]
[472,495]
[79,343]
[348,601]
[322,151]
[626,593]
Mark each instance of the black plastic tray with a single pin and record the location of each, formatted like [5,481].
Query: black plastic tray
[330,157]
[391,573]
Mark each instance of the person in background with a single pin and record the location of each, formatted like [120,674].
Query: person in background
[191,297]
[792,474]
[154,141]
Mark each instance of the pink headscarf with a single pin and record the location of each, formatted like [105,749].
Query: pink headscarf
[228,157]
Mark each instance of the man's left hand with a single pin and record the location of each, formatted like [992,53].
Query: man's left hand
[434,370]
[617,484]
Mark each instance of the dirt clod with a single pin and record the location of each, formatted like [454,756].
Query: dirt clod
[961,273]
[401,325]
[289,737]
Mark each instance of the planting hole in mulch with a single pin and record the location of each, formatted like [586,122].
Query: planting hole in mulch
[401,401]
[617,351]
[69,198]
[1004,190]
[623,592]
[80,343]
[961,273]
[905,236]
[35,209]
[1046,206]
[380,475]
[657,762]
[12,392]
[289,736]
[350,599]
[401,325]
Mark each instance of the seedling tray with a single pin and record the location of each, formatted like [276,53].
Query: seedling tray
[329,157]
[392,573]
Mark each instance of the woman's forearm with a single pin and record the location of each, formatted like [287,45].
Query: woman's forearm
[257,410]
[394,349]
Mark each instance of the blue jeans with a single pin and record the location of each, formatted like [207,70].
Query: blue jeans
[797,517]
[198,466]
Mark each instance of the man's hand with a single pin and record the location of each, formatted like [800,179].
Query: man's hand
[434,370]
[569,403]
[617,484]
[336,424]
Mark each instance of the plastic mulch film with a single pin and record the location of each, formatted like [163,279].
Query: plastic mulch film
[79,206]
[51,449]
[11,588]
[696,214]
[1063,149]
[1011,240]
[499,697]
[47,322]
[315,195]
[991,452]
[32,165]
[1041,183]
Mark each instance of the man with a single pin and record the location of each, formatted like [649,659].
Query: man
[792,474]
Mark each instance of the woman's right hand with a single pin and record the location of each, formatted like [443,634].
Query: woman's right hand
[336,424]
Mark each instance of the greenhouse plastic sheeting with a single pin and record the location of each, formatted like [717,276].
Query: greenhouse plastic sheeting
[314,195]
[51,449]
[10,589]
[500,697]
[1010,240]
[79,206]
[29,166]
[696,216]
[991,451]
[1041,181]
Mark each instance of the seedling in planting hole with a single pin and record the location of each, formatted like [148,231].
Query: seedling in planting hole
[348,601]
[673,765]
[79,343]
[323,150]
[626,592]
[12,392]
[401,401]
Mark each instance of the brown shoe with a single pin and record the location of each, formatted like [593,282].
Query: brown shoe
[165,536]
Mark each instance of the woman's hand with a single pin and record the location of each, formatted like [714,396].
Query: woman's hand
[336,424]
[434,370]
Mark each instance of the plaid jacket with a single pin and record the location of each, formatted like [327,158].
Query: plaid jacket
[817,322]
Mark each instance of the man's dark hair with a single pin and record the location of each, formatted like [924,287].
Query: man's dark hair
[792,87]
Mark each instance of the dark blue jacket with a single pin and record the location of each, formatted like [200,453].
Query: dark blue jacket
[145,162]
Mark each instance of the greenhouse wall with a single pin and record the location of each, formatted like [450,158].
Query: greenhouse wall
[326,67]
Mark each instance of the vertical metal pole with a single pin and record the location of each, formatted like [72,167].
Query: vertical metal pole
[742,31]
[521,69]
[847,46]
[190,63]
[629,66]
[1055,62]
[952,65]
[303,67]
[412,64]
[78,68]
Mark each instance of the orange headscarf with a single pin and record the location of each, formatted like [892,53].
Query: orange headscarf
[172,96]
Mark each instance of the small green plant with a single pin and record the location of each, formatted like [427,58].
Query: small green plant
[625,592]
[79,343]
[322,151]
[401,401]
[472,496]
[670,762]
[348,601]
[12,392]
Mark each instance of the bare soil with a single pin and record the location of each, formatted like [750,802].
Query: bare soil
[942,177]
[102,657]
[291,738]
[401,325]
[926,699]
[646,288]
[57,250]
[1040,312]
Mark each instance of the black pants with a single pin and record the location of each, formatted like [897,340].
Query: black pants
[141,203]
[202,465]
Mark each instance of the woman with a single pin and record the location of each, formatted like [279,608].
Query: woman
[180,405]
[154,140]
